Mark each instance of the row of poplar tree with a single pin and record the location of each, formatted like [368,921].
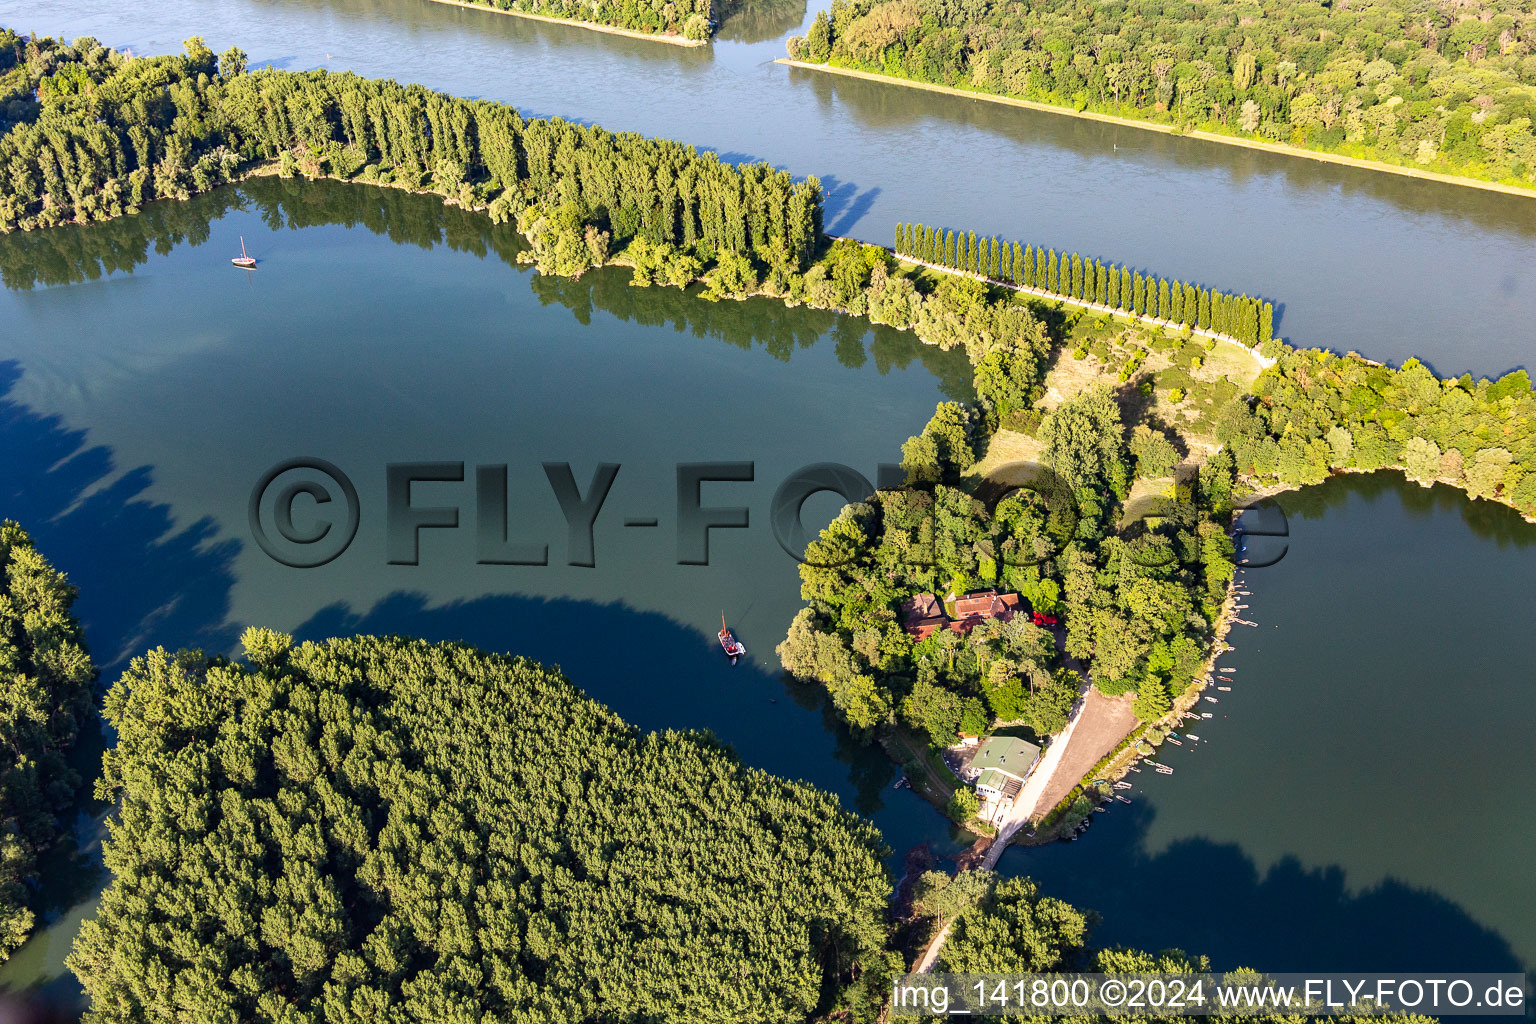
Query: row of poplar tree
[110,133]
[1248,320]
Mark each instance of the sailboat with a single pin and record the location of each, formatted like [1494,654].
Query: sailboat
[733,648]
[244,260]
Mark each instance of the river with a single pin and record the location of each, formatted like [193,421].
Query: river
[1389,266]
[1370,787]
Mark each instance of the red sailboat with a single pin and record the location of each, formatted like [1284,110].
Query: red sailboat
[733,648]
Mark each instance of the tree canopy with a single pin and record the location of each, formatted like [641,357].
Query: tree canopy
[1449,87]
[379,829]
[131,130]
[46,676]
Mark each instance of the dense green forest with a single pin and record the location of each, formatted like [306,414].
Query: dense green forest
[46,675]
[1449,87]
[382,829]
[1008,926]
[1250,321]
[1139,605]
[112,133]
[1315,412]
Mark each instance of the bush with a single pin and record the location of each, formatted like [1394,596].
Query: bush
[963,805]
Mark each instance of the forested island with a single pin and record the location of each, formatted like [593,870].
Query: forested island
[1442,87]
[46,674]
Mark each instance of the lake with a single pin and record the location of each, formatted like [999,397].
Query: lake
[140,410]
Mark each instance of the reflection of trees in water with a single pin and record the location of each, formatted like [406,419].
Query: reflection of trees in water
[757,321]
[77,253]
[758,21]
[893,106]
[1488,520]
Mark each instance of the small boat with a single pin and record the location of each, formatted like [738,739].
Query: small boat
[1122,799]
[1177,743]
[1224,689]
[244,260]
[1213,700]
[1192,736]
[901,782]
[733,648]
[1206,714]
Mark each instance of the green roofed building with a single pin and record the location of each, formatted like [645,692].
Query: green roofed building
[1007,754]
[992,782]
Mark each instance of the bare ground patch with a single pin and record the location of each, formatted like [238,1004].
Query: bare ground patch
[1104,722]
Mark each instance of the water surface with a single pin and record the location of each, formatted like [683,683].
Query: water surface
[1389,266]
[146,386]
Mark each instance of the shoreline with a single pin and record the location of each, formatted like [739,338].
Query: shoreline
[612,30]
[1262,490]
[1278,148]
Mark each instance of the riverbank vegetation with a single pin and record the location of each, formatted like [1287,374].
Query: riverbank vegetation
[1448,88]
[376,828]
[689,19]
[46,675]
[693,20]
[1138,603]
[112,133]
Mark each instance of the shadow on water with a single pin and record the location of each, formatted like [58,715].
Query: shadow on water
[1487,520]
[141,579]
[1211,898]
[652,671]
[758,21]
[78,254]
[845,205]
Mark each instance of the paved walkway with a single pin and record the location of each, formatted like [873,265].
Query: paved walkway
[1018,816]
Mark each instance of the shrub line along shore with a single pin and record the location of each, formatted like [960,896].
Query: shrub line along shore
[1092,115]
[613,30]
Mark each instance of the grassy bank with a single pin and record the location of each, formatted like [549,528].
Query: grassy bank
[1279,148]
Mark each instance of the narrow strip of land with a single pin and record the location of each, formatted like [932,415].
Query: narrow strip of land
[613,30]
[1093,307]
[1279,148]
